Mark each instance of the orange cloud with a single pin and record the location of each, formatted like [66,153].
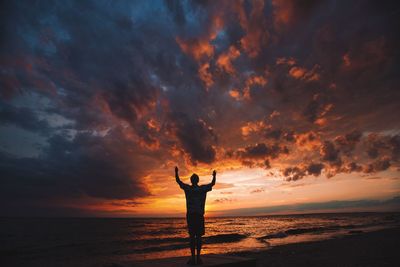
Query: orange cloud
[254,26]
[245,94]
[288,61]
[251,127]
[301,73]
[274,114]
[224,61]
[309,140]
[153,124]
[205,75]
[289,13]
[235,94]
[297,72]
[251,81]
[201,49]
[371,54]
[321,121]
[283,12]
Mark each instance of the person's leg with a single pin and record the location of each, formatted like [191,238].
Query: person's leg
[189,218]
[199,233]
[198,247]
[192,260]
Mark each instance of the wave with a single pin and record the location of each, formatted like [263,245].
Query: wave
[175,243]
[223,238]
[274,235]
[159,240]
[164,231]
[234,223]
[220,238]
[152,249]
[313,230]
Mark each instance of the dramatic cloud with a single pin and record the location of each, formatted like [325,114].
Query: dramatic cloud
[347,142]
[378,165]
[261,151]
[22,117]
[329,152]
[98,98]
[196,138]
[259,155]
[87,166]
[298,172]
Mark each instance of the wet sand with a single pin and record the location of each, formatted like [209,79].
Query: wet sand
[379,248]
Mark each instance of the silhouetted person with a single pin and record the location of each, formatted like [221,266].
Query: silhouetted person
[195,201]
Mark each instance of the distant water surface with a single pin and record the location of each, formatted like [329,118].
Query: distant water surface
[104,241]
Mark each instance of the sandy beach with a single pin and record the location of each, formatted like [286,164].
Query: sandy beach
[379,248]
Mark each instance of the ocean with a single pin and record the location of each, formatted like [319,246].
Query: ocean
[107,241]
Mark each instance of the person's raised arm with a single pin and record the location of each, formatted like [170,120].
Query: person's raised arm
[214,178]
[181,184]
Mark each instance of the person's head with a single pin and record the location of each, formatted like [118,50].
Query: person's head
[194,179]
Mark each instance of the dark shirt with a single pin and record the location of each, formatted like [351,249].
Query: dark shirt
[195,197]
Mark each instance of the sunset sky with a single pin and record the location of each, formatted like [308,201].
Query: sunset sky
[296,104]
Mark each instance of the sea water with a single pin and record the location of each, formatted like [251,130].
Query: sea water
[105,241]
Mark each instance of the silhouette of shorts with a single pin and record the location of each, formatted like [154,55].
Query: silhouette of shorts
[195,222]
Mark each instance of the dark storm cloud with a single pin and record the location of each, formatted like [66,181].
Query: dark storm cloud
[288,12]
[259,155]
[384,148]
[315,169]
[313,109]
[280,134]
[329,152]
[329,40]
[97,71]
[177,11]
[261,151]
[299,172]
[84,50]
[348,142]
[388,145]
[125,102]
[197,139]
[353,167]
[88,165]
[394,143]
[22,117]
[374,145]
[378,165]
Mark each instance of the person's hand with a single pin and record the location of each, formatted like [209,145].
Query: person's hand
[214,173]
[176,169]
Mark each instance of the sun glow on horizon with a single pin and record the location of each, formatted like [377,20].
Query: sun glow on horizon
[249,188]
